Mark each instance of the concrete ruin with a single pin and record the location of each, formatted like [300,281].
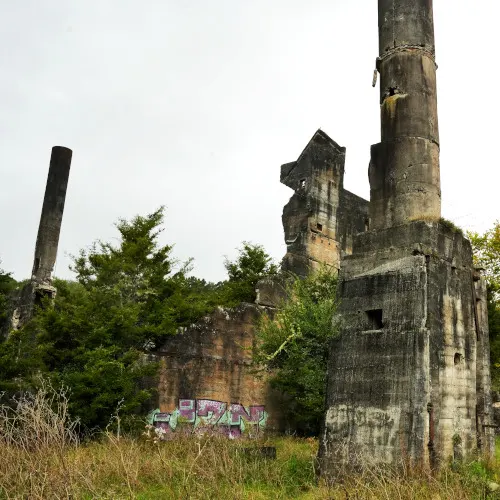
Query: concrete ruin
[408,376]
[321,217]
[212,359]
[40,283]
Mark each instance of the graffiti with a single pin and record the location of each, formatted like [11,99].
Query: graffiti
[200,415]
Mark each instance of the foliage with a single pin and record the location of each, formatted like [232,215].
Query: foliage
[486,251]
[126,300]
[43,458]
[293,345]
[7,286]
[450,225]
[251,265]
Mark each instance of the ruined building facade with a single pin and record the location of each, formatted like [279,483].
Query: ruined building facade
[209,365]
[408,376]
[321,217]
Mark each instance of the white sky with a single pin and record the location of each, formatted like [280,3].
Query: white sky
[195,105]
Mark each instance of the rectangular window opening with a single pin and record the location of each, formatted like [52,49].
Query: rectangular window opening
[319,226]
[375,319]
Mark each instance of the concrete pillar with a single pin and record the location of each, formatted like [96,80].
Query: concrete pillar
[404,166]
[40,284]
[52,213]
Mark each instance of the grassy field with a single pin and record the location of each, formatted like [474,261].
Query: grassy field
[210,467]
[42,458]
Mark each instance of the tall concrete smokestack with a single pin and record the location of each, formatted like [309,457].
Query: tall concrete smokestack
[409,372]
[404,166]
[49,229]
[47,241]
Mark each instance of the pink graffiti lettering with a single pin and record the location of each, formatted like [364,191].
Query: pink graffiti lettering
[212,410]
[187,409]
[238,412]
[203,414]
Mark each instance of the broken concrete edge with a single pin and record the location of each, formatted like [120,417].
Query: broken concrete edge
[23,301]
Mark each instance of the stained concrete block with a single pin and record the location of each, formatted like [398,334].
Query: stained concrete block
[321,217]
[403,377]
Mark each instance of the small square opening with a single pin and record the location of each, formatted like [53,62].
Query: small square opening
[375,319]
[319,226]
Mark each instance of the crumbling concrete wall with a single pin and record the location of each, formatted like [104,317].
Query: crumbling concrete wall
[408,376]
[321,217]
[212,361]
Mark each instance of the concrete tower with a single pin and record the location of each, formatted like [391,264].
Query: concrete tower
[408,375]
[49,228]
[47,240]
[404,166]
[321,216]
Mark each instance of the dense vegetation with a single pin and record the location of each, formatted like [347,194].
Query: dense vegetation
[42,457]
[125,301]
[486,248]
[293,346]
[7,286]
[128,297]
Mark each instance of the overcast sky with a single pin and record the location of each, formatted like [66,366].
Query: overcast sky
[195,104]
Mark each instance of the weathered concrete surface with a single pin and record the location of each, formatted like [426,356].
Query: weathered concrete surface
[52,214]
[40,284]
[271,292]
[212,360]
[321,217]
[408,377]
[404,166]
[485,412]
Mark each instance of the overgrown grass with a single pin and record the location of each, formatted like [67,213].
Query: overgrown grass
[211,467]
[37,462]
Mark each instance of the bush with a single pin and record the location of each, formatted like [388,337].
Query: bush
[293,346]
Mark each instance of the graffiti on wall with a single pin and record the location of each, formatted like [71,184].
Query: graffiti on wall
[198,415]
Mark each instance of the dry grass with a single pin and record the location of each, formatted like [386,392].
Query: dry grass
[40,457]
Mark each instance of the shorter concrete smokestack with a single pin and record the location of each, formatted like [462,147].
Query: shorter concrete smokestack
[52,213]
[47,241]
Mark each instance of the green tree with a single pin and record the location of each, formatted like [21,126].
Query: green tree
[293,346]
[251,265]
[7,286]
[486,251]
[126,300]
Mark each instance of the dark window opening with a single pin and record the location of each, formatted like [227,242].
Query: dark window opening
[302,183]
[319,226]
[392,90]
[367,224]
[375,319]
[457,358]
